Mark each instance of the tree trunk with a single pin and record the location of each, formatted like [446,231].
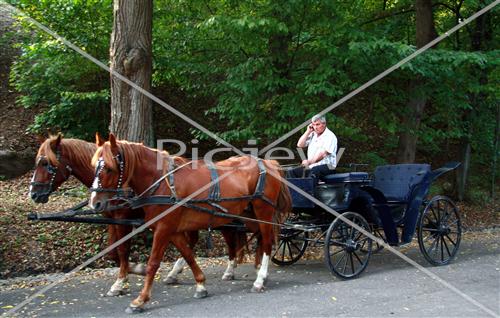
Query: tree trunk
[425,32]
[496,143]
[463,171]
[480,37]
[131,56]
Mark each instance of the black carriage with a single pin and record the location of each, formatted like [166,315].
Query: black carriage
[392,198]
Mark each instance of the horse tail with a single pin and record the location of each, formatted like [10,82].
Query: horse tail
[283,206]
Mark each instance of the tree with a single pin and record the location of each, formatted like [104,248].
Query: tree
[131,56]
[425,32]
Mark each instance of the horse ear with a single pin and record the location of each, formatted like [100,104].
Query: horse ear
[58,140]
[99,140]
[112,140]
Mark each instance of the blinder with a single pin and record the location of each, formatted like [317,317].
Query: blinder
[120,193]
[48,187]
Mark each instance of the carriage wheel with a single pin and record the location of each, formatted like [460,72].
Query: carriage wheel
[439,231]
[292,245]
[379,233]
[347,250]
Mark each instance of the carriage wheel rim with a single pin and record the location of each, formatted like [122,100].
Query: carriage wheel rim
[344,245]
[440,231]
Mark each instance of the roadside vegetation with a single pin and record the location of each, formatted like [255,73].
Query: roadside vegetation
[254,70]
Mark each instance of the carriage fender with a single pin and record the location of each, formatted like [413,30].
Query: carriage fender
[362,203]
[384,213]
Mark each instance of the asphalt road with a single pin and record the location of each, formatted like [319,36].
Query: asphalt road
[389,287]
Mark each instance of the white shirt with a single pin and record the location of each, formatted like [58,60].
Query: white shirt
[327,141]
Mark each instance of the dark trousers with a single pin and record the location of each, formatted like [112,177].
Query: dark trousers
[316,172]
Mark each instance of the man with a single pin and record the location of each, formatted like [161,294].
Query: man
[321,145]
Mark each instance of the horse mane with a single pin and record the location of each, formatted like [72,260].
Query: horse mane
[133,154]
[79,152]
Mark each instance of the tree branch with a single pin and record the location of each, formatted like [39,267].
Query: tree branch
[389,13]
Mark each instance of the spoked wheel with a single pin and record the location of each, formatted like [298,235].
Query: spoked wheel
[292,245]
[347,250]
[439,231]
[379,233]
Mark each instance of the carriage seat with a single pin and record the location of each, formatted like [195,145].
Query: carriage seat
[345,177]
[396,182]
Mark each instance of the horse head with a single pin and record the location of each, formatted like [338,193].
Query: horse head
[51,170]
[111,173]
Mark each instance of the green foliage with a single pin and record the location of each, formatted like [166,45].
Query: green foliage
[372,159]
[51,76]
[78,114]
[262,67]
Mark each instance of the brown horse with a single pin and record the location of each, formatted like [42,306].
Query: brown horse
[58,159]
[121,164]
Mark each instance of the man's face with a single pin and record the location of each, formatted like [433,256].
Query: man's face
[319,127]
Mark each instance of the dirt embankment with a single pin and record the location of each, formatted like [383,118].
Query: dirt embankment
[16,145]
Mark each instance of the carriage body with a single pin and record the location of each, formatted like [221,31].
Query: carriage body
[390,204]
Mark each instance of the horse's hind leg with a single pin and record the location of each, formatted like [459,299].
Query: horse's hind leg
[179,240]
[264,212]
[172,278]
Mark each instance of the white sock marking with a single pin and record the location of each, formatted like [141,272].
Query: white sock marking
[229,272]
[262,275]
[178,267]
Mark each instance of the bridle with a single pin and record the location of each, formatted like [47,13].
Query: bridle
[52,171]
[120,193]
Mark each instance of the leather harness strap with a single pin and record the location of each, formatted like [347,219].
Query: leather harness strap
[171,181]
[214,192]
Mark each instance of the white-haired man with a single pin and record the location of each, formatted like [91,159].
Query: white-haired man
[321,145]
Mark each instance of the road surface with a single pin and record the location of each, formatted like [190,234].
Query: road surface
[389,287]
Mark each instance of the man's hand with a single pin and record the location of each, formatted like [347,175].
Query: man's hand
[305,163]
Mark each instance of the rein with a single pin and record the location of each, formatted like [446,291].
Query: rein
[134,202]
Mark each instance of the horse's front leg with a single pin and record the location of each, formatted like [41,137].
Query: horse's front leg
[123,251]
[160,243]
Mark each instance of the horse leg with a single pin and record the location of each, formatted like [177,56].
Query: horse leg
[113,255]
[264,213]
[123,251]
[172,279]
[179,240]
[258,253]
[160,244]
[230,237]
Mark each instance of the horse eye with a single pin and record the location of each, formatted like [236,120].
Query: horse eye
[109,170]
[44,163]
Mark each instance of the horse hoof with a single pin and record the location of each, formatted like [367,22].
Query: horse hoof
[257,289]
[171,280]
[227,277]
[114,293]
[201,294]
[134,310]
